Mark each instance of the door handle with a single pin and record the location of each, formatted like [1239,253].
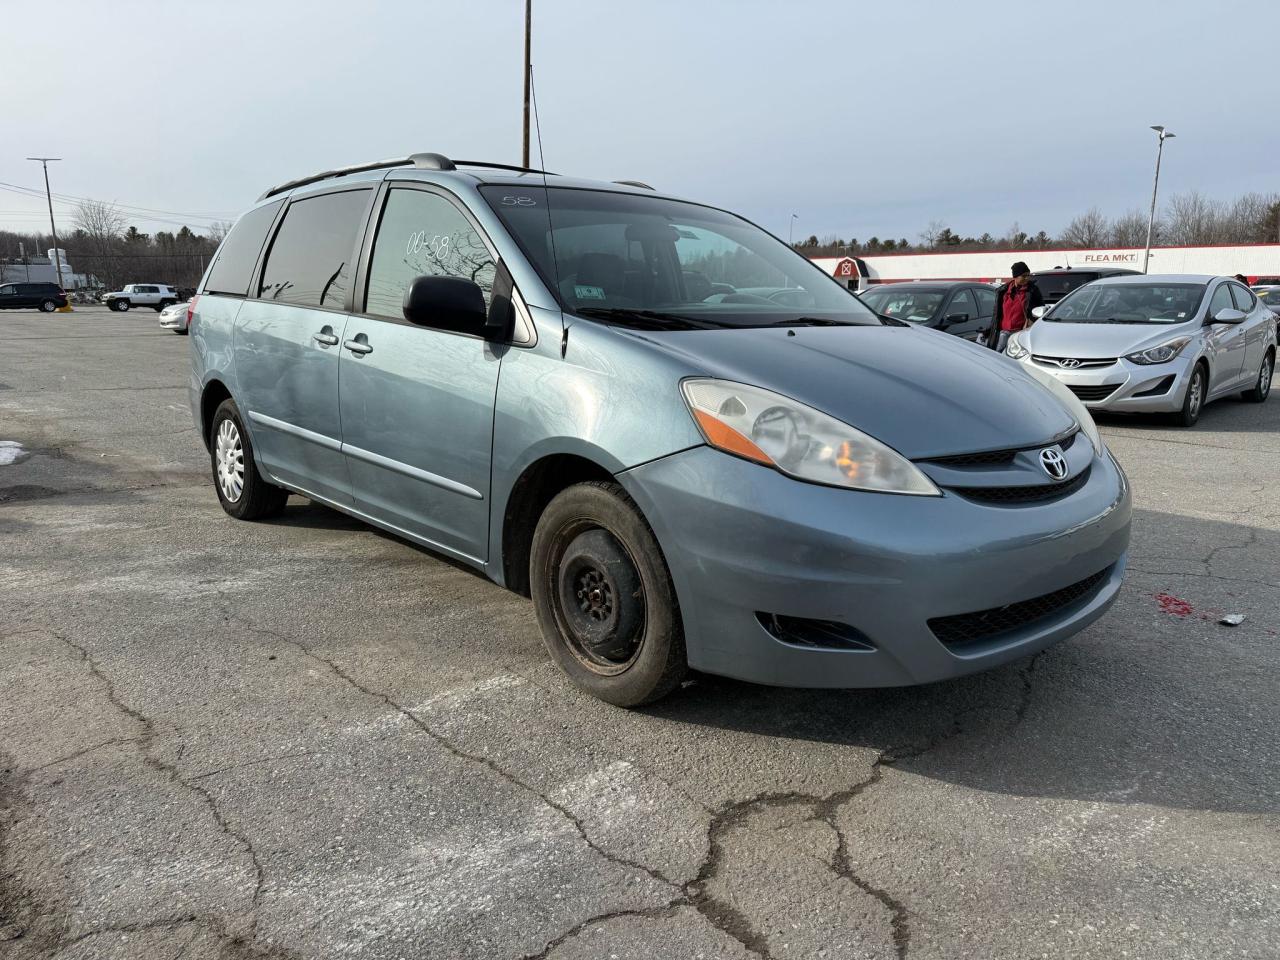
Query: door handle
[328,339]
[357,346]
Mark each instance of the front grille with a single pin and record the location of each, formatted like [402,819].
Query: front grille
[999,458]
[1093,394]
[967,629]
[1035,493]
[1072,363]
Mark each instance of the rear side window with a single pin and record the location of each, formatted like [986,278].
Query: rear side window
[421,234]
[239,252]
[313,255]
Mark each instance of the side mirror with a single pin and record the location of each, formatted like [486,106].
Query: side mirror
[447,303]
[1038,312]
[951,318]
[1228,315]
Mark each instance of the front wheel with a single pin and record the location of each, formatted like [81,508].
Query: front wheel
[604,598]
[1262,386]
[243,492]
[1193,402]
[120,305]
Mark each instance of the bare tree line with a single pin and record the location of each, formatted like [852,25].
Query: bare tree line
[1188,219]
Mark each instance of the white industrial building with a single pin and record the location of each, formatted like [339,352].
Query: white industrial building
[44,270]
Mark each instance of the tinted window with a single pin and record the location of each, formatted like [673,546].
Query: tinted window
[423,234]
[913,305]
[313,255]
[1244,299]
[963,302]
[1221,300]
[986,302]
[1055,286]
[239,252]
[8,290]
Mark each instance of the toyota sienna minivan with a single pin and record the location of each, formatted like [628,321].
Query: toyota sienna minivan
[593,393]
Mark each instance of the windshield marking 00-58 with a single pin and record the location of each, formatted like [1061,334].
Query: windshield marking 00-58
[660,264]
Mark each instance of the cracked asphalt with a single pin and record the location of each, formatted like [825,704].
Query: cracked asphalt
[306,738]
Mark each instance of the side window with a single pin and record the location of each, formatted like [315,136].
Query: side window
[423,233]
[1244,298]
[1221,300]
[986,302]
[8,290]
[312,257]
[239,252]
[962,302]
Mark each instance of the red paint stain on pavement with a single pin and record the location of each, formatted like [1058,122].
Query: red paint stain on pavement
[1174,605]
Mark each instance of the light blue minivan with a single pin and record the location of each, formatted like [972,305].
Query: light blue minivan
[687,444]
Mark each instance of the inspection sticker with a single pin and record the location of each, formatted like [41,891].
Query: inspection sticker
[583,292]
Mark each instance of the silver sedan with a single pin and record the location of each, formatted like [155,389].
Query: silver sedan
[1155,343]
[174,317]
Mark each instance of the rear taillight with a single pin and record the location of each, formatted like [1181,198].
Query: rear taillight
[191,309]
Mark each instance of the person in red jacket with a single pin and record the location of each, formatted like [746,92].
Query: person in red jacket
[1014,303]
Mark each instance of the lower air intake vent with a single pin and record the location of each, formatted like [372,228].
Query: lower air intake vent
[1093,394]
[815,634]
[969,629]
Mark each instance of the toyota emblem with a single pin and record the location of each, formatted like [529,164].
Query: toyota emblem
[1054,463]
[1070,363]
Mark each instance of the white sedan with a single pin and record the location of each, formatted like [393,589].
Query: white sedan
[174,317]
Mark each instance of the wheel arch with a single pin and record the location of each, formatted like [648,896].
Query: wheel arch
[213,394]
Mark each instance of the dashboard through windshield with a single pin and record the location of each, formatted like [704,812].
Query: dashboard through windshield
[655,263]
[1152,303]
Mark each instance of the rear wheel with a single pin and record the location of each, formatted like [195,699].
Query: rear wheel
[603,596]
[1193,402]
[241,488]
[48,306]
[1262,386]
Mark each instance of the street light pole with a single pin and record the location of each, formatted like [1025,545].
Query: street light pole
[791,227]
[528,33]
[57,260]
[1151,220]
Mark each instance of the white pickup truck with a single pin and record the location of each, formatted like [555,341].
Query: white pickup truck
[155,295]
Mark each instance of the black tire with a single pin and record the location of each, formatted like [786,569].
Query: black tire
[164,303]
[1262,386]
[604,598]
[181,333]
[121,305]
[1193,402]
[48,306]
[256,499]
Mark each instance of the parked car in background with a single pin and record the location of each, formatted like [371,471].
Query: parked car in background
[1155,343]
[175,317]
[32,296]
[796,495]
[958,307]
[154,295]
[1057,283]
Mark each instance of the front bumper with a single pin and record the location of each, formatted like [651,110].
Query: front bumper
[742,540]
[1136,388]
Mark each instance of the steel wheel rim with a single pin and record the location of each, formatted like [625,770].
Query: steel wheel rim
[229,461]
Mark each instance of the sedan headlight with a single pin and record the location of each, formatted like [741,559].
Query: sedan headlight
[1014,349]
[798,440]
[1072,403]
[1161,354]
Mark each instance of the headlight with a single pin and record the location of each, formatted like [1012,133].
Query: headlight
[1161,354]
[797,440]
[1072,403]
[1014,349]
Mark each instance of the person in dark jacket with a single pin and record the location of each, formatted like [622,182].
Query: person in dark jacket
[1014,303]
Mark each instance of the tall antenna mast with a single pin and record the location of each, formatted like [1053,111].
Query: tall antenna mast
[528,74]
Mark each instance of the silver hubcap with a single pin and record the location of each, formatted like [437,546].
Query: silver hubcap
[1194,406]
[229,457]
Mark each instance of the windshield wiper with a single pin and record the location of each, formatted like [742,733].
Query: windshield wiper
[647,319]
[811,322]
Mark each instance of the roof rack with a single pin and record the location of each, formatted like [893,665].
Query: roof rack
[421,161]
[634,183]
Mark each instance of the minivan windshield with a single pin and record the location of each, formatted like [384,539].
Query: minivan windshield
[1129,303]
[655,263]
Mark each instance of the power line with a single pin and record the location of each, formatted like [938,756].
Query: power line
[72,199]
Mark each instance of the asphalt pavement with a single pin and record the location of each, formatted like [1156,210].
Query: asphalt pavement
[306,738]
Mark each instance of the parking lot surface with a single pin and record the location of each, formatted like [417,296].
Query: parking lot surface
[306,738]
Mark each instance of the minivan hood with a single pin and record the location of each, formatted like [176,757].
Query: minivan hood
[926,394]
[1096,341]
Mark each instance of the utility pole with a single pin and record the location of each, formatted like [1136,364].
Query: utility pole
[1151,220]
[528,74]
[57,260]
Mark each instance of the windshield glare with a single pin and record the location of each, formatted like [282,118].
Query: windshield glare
[1129,303]
[914,306]
[647,261]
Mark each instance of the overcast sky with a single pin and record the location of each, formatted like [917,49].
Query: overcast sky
[862,118]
